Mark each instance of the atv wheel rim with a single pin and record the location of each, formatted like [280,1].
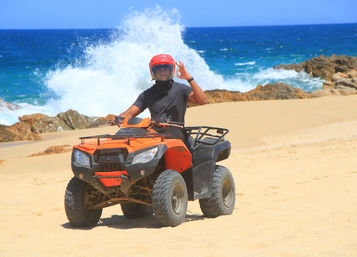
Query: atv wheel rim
[177,200]
[227,192]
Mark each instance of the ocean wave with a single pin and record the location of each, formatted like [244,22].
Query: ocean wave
[244,63]
[114,74]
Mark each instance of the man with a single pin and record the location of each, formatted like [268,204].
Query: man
[167,99]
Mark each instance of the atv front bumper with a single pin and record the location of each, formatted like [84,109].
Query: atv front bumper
[110,171]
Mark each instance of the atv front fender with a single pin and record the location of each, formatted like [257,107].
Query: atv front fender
[139,170]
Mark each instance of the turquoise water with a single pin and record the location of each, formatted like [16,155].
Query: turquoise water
[50,71]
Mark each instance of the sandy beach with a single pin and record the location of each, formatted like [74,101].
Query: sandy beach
[295,167]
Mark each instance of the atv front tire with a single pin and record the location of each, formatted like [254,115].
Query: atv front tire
[223,194]
[136,210]
[169,198]
[76,204]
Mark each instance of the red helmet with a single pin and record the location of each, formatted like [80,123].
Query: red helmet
[163,63]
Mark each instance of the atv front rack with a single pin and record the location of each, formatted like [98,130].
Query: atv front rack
[206,135]
[125,136]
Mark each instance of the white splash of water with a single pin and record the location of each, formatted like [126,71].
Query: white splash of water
[116,73]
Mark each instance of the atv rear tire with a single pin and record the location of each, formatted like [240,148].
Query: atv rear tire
[223,194]
[136,210]
[76,204]
[169,198]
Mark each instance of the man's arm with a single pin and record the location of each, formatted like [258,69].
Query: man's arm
[197,96]
[132,111]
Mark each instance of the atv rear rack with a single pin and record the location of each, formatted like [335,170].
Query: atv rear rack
[125,136]
[206,135]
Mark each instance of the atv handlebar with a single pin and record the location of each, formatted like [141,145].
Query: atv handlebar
[134,121]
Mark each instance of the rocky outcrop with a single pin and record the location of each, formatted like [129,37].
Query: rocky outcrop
[17,132]
[276,91]
[340,73]
[30,126]
[340,84]
[53,150]
[324,66]
[74,120]
[267,92]
[68,120]
[8,106]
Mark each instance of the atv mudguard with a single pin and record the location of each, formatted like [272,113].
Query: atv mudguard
[176,156]
[204,159]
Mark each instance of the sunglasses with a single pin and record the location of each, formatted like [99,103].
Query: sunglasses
[161,66]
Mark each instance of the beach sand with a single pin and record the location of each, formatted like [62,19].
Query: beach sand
[295,167]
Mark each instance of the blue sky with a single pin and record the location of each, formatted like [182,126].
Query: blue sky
[32,14]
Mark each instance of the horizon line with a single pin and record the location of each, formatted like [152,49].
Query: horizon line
[193,27]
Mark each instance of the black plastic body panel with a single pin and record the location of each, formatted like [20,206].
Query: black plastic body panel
[140,170]
[201,178]
[217,152]
[87,174]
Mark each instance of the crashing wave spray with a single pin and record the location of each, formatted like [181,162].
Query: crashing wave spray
[115,73]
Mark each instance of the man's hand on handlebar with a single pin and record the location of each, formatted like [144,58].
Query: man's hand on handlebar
[117,120]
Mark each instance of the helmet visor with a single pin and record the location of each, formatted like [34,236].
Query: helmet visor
[162,72]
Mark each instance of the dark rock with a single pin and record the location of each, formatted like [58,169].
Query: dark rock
[97,123]
[324,66]
[18,131]
[267,92]
[277,91]
[346,83]
[74,120]
[49,124]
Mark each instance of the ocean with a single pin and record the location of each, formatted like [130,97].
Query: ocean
[101,71]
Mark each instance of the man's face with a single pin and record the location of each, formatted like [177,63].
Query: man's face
[162,74]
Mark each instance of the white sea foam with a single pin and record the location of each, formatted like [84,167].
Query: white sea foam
[115,73]
[296,79]
[244,63]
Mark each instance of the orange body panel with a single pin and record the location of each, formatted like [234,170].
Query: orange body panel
[109,182]
[177,156]
[132,144]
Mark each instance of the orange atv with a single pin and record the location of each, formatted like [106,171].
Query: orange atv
[147,173]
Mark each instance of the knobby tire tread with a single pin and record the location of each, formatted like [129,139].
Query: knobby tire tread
[161,201]
[213,207]
[76,213]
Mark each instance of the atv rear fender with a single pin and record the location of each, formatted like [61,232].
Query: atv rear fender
[216,152]
[204,159]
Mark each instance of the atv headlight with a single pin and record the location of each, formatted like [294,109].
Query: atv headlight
[145,156]
[81,159]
